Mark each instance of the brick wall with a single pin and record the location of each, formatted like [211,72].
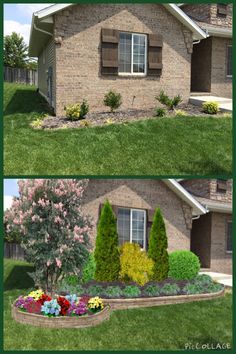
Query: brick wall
[208,13]
[221,196]
[142,194]
[78,57]
[221,261]
[221,85]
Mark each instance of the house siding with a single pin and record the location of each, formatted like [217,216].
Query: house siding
[47,59]
[142,194]
[221,261]
[78,56]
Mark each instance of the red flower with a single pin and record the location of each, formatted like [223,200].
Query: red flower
[44,298]
[64,303]
[33,307]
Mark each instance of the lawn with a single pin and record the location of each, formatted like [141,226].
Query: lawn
[158,328]
[163,146]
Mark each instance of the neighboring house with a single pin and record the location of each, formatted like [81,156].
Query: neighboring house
[211,235]
[212,57]
[201,225]
[85,50]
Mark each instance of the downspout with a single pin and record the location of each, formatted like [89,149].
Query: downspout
[196,42]
[195,217]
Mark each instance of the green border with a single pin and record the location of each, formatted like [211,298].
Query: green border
[107,176]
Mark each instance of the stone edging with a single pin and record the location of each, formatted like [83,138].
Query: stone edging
[60,322]
[121,304]
[111,304]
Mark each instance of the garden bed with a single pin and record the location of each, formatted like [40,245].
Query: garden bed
[62,321]
[119,116]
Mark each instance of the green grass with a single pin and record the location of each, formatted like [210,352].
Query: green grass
[173,146]
[158,328]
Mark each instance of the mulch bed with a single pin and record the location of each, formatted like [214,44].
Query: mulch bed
[117,117]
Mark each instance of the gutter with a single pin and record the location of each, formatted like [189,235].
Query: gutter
[41,30]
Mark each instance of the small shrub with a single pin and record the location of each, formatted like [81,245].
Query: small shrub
[73,111]
[170,289]
[72,280]
[160,112]
[113,100]
[183,265]
[88,272]
[113,291]
[227,115]
[94,290]
[135,264]
[192,288]
[210,107]
[108,121]
[180,113]
[170,103]
[131,291]
[37,123]
[84,109]
[203,279]
[70,289]
[214,288]
[85,123]
[152,290]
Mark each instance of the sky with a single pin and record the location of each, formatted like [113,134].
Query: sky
[10,190]
[17,18]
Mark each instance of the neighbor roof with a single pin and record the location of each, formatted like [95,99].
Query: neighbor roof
[214,30]
[42,25]
[215,205]
[197,207]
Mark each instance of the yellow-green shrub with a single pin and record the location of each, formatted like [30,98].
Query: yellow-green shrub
[135,264]
[73,111]
[210,107]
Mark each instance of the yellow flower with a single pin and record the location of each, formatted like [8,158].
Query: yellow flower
[37,294]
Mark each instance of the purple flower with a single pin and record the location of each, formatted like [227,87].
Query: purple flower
[23,302]
[77,309]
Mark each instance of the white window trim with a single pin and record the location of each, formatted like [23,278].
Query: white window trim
[131,226]
[228,45]
[145,57]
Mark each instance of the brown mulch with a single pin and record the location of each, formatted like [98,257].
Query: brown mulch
[117,117]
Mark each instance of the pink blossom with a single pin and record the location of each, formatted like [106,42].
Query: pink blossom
[49,263]
[58,220]
[58,262]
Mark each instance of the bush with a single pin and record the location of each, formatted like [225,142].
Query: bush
[152,290]
[69,289]
[84,109]
[184,265]
[170,103]
[73,111]
[192,288]
[170,289]
[131,291]
[160,112]
[106,253]
[72,280]
[113,100]
[88,272]
[85,123]
[113,291]
[203,279]
[180,113]
[214,288]
[94,290]
[135,265]
[157,250]
[210,107]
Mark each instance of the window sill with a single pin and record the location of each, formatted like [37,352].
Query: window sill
[132,75]
[228,252]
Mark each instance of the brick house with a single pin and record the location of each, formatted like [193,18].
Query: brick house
[214,73]
[84,50]
[197,214]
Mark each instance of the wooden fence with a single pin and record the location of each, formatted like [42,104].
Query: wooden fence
[21,76]
[13,251]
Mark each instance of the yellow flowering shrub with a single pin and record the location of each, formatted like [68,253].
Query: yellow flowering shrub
[73,111]
[36,294]
[135,264]
[95,304]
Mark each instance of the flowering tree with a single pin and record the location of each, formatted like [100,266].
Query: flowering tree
[54,232]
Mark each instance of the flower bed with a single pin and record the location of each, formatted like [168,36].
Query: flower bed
[39,309]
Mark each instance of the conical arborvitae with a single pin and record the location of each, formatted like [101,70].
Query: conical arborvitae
[106,253]
[158,244]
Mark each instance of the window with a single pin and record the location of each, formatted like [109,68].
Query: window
[229,60]
[131,225]
[222,9]
[132,53]
[221,185]
[229,237]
